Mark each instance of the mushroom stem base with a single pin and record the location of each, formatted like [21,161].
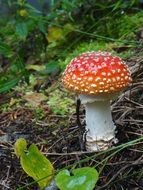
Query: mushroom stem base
[100,145]
[100,129]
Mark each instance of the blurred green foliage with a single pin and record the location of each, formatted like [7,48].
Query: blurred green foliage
[30,38]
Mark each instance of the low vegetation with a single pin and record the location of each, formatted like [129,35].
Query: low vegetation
[35,109]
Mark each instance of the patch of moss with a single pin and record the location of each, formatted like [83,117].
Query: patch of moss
[39,113]
[60,103]
[95,45]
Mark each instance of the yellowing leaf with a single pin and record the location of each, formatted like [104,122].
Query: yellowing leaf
[35,67]
[35,98]
[12,101]
[23,13]
[20,146]
[35,164]
[55,34]
[68,28]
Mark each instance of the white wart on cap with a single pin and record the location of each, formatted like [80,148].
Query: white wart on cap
[96,73]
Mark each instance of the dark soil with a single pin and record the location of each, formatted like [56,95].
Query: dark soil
[60,139]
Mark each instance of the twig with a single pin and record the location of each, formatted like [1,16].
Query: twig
[136,162]
[77,113]
[2,184]
[66,154]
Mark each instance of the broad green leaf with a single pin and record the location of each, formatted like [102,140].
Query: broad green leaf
[36,165]
[83,178]
[51,67]
[22,30]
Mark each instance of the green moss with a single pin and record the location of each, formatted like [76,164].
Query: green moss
[129,25]
[96,46]
[60,103]
[39,113]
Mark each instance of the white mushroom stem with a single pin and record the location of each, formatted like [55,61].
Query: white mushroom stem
[100,129]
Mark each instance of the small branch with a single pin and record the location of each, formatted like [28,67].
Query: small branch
[136,162]
[67,154]
[77,112]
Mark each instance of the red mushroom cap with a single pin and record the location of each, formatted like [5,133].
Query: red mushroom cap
[96,73]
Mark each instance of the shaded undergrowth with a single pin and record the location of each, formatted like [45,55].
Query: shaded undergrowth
[60,139]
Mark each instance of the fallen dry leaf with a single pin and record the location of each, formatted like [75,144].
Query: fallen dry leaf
[34,98]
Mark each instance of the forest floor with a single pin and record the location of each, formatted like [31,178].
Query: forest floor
[60,139]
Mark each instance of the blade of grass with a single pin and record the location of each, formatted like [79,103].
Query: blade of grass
[9,84]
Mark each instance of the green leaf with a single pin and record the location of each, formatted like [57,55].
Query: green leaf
[17,66]
[9,84]
[32,9]
[22,30]
[68,28]
[20,146]
[35,67]
[5,50]
[42,27]
[35,164]
[55,34]
[83,178]
[51,67]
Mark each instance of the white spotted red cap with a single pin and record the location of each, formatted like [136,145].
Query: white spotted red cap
[96,73]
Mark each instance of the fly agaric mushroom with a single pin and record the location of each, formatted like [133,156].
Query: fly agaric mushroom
[98,78]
